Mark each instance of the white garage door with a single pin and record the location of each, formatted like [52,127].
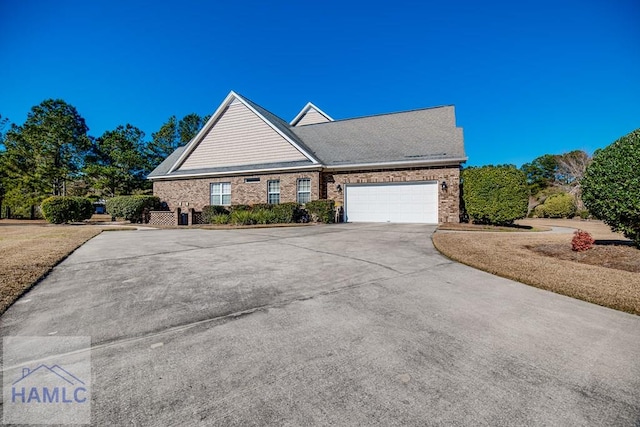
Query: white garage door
[415,202]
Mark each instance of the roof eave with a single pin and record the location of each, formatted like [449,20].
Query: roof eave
[234,173]
[399,164]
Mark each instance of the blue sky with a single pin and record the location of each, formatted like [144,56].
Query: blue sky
[527,78]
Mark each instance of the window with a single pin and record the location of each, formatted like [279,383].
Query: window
[221,193]
[273,192]
[304,190]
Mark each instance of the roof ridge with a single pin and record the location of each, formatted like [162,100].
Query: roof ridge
[309,105]
[260,107]
[385,114]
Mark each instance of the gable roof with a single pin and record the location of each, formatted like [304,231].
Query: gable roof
[427,135]
[277,124]
[411,138]
[310,114]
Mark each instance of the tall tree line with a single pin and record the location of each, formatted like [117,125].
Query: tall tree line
[52,153]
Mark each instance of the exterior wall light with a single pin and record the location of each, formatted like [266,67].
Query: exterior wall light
[339,188]
[444,185]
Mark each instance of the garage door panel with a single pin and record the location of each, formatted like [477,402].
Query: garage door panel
[410,203]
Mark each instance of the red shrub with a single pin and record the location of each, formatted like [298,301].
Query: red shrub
[582,241]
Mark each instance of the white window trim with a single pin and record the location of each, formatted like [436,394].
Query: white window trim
[221,194]
[269,193]
[298,192]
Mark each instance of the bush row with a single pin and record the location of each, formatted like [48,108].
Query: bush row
[62,209]
[133,208]
[318,210]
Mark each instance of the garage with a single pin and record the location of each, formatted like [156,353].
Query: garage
[409,202]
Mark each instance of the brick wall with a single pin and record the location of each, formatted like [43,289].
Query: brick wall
[163,218]
[449,200]
[195,193]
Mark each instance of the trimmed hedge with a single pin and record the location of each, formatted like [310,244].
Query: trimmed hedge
[261,213]
[62,209]
[611,183]
[133,208]
[321,210]
[495,194]
[84,209]
[287,212]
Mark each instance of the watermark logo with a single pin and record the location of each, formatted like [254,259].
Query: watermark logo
[46,380]
[31,388]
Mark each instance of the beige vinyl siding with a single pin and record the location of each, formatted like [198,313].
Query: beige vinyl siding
[312,117]
[240,137]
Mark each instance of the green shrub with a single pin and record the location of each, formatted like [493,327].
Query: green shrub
[210,212]
[242,217]
[58,209]
[261,213]
[286,212]
[265,206]
[61,209]
[560,205]
[495,194]
[132,208]
[235,208]
[264,216]
[83,210]
[610,186]
[321,210]
[583,214]
[538,211]
[221,219]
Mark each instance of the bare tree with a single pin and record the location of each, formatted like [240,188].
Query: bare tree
[571,169]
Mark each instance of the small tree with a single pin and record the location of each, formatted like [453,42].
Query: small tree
[495,194]
[611,186]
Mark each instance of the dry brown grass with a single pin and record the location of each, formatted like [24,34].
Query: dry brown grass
[521,257]
[30,249]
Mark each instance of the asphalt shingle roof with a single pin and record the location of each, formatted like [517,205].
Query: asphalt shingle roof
[419,135]
[164,167]
[428,134]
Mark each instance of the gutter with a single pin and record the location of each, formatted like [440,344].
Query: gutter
[318,167]
[235,173]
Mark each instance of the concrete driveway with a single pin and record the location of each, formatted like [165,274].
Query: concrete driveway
[350,324]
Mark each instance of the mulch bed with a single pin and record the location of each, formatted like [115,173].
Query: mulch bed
[463,226]
[610,254]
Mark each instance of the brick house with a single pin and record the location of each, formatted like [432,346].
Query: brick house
[396,167]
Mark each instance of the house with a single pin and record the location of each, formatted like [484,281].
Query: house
[396,167]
